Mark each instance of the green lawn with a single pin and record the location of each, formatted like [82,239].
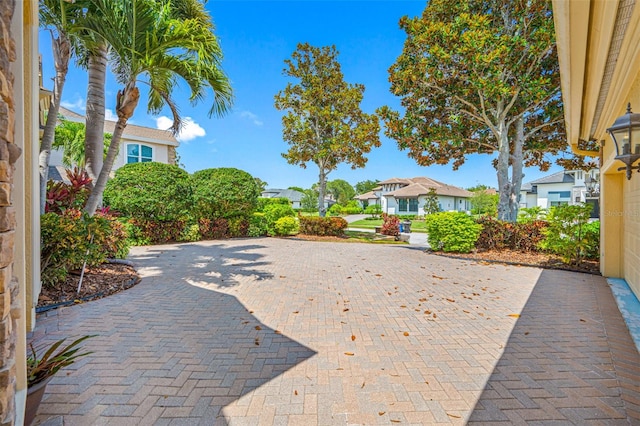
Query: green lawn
[416,225]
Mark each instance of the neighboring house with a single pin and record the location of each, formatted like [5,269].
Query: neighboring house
[597,43]
[294,197]
[138,143]
[566,187]
[408,196]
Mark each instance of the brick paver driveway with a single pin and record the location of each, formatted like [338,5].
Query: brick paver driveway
[274,331]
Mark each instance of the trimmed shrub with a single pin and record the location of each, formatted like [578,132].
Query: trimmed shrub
[322,226]
[257,225]
[264,202]
[452,232]
[286,226]
[499,235]
[158,231]
[569,233]
[390,225]
[190,233]
[213,229]
[151,192]
[224,193]
[70,238]
[374,210]
[273,212]
[238,227]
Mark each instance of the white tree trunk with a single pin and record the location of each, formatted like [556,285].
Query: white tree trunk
[322,184]
[504,185]
[516,165]
[61,54]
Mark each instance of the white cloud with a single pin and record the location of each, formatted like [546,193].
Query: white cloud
[110,115]
[251,116]
[189,130]
[77,104]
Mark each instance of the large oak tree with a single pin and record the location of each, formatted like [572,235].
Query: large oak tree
[324,123]
[480,76]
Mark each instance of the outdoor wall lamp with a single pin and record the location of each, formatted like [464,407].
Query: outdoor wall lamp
[625,133]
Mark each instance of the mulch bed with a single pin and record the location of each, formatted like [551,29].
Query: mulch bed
[539,260]
[99,281]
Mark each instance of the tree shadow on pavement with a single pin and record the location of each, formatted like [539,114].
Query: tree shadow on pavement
[167,348]
[569,358]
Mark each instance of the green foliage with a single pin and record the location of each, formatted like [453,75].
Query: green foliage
[135,235]
[296,188]
[224,193]
[390,225]
[452,232]
[309,202]
[70,238]
[483,203]
[150,192]
[570,235]
[341,190]
[157,231]
[431,202]
[73,195]
[70,135]
[499,235]
[324,123]
[365,186]
[42,367]
[238,227]
[322,226]
[479,77]
[257,225]
[213,229]
[286,225]
[190,233]
[263,202]
[531,214]
[274,212]
[374,210]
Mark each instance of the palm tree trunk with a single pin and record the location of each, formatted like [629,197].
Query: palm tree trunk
[61,48]
[127,101]
[94,136]
[101,182]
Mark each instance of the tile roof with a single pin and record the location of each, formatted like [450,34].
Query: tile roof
[131,132]
[371,195]
[421,185]
[559,177]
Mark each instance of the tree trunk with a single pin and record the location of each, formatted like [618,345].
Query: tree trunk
[322,184]
[504,185]
[94,135]
[516,167]
[61,54]
[127,100]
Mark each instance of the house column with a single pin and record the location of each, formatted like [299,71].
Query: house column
[611,224]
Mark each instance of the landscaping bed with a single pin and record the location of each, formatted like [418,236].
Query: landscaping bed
[99,281]
[536,259]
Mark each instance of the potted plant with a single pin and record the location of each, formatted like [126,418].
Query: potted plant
[40,369]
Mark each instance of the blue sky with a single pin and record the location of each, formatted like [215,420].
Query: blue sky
[256,37]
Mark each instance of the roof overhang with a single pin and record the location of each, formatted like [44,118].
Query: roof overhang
[598,47]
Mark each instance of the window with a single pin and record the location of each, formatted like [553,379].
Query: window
[558,203]
[408,204]
[137,153]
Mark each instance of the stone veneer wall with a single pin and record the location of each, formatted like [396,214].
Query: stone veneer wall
[9,153]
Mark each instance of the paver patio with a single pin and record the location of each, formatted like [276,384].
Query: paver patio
[275,331]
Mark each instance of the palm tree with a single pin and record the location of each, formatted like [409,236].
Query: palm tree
[58,16]
[152,42]
[70,136]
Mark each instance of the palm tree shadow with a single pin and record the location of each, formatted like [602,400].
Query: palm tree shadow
[167,343]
